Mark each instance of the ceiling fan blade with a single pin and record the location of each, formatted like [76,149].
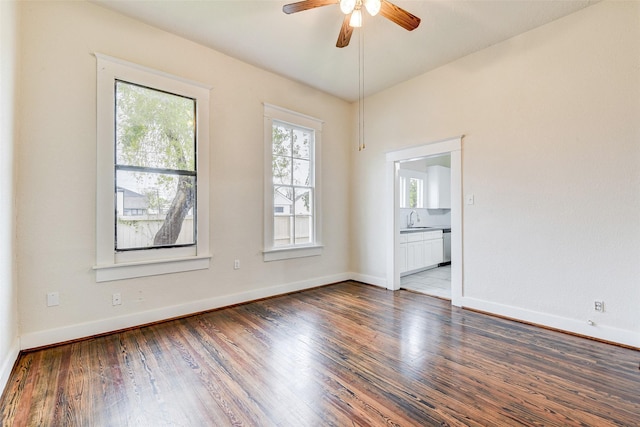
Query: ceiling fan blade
[398,15]
[306,5]
[345,32]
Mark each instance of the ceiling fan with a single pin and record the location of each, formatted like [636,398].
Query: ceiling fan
[353,14]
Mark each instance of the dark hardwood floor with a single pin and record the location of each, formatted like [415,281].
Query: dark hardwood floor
[345,355]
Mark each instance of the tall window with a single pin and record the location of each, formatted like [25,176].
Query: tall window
[292,171]
[292,225]
[155,168]
[152,207]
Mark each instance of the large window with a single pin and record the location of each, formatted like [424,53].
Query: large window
[152,210]
[155,168]
[292,223]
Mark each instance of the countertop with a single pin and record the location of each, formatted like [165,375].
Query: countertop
[444,228]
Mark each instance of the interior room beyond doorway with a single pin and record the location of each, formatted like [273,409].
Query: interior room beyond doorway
[424,189]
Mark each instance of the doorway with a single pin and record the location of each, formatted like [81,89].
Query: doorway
[425,225]
[396,219]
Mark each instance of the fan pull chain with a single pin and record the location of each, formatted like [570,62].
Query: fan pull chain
[361,143]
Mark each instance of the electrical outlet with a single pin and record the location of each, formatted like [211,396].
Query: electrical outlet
[116,299]
[598,306]
[53,299]
[236,264]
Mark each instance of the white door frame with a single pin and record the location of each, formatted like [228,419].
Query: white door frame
[392,225]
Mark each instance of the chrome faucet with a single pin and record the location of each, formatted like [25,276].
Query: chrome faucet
[410,222]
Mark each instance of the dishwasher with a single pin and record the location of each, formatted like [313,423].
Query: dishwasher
[446,243]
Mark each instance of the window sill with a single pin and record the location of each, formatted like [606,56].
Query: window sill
[292,252]
[130,270]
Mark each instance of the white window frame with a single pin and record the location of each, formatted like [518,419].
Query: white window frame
[271,253]
[405,175]
[112,265]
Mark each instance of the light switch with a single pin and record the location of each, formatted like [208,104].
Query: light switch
[53,299]
[470,199]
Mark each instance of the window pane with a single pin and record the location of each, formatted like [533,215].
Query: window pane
[303,230]
[283,200]
[413,193]
[303,201]
[301,143]
[281,140]
[303,217]
[154,210]
[281,170]
[282,230]
[154,129]
[283,218]
[301,173]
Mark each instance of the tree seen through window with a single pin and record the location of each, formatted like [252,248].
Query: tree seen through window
[155,168]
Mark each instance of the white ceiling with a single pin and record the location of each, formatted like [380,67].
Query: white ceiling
[301,46]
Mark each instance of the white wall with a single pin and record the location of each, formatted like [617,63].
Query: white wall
[552,155]
[57,176]
[9,345]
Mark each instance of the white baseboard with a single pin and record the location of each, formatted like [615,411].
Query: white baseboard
[597,331]
[7,364]
[82,330]
[369,280]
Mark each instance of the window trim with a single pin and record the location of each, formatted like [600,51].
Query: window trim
[271,253]
[112,265]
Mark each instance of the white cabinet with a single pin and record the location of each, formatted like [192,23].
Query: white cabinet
[403,253]
[420,250]
[438,187]
[415,255]
[433,251]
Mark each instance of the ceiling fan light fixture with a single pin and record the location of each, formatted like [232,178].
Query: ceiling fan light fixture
[356,19]
[347,6]
[373,6]
[352,10]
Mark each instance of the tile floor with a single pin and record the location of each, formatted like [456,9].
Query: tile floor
[435,282]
